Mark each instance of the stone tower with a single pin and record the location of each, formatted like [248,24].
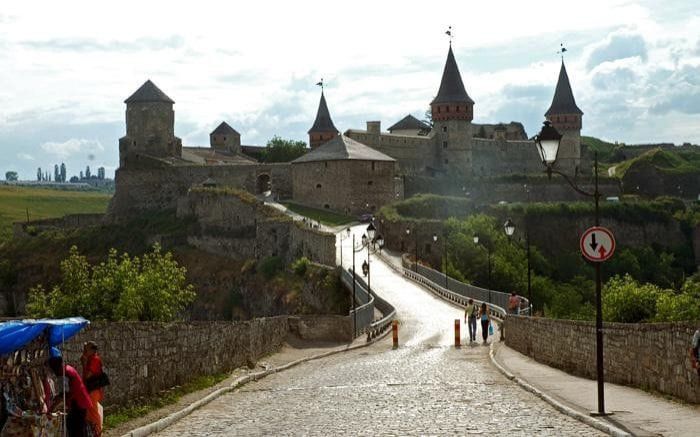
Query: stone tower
[225,138]
[150,125]
[452,112]
[566,117]
[323,128]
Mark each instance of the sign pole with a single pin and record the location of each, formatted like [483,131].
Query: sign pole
[598,305]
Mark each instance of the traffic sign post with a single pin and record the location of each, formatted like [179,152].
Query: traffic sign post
[597,244]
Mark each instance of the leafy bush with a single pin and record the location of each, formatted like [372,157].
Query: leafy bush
[627,301]
[301,265]
[152,287]
[270,266]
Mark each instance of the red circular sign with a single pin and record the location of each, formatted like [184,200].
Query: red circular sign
[597,244]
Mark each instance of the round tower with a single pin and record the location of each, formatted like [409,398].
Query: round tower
[323,128]
[566,118]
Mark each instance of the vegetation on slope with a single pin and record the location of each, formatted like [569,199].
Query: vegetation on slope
[45,203]
[680,162]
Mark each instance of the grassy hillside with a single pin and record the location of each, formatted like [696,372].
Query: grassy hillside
[45,203]
[680,162]
[605,150]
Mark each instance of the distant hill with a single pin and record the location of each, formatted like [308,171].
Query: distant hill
[45,203]
[606,151]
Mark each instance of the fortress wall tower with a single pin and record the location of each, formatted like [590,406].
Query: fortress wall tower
[225,138]
[566,118]
[323,129]
[452,112]
[150,125]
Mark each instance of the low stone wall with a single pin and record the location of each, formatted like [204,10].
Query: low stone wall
[316,245]
[144,358]
[650,356]
[322,328]
[21,229]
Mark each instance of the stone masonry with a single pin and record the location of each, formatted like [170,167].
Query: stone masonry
[651,356]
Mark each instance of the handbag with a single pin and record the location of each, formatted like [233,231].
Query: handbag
[97,381]
[490,328]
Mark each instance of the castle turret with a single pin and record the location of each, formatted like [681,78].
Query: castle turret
[566,118]
[225,138]
[323,129]
[452,112]
[150,125]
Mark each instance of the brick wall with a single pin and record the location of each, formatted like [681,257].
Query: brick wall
[649,356]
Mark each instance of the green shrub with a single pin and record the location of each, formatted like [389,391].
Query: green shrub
[152,287]
[270,266]
[627,301]
[301,265]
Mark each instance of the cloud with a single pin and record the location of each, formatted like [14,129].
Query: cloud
[72,147]
[613,79]
[25,156]
[89,44]
[685,103]
[618,46]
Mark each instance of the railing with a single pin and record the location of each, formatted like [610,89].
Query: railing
[365,312]
[495,298]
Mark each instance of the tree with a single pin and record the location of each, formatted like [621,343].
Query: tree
[101,173]
[153,287]
[11,176]
[87,172]
[39,174]
[56,174]
[63,172]
[281,150]
[74,179]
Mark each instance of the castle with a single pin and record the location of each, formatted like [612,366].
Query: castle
[354,173]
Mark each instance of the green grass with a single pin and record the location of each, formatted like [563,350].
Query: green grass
[326,217]
[125,414]
[45,203]
[669,162]
[605,150]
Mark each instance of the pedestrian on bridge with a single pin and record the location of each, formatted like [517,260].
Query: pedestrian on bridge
[470,313]
[485,321]
[514,303]
[695,351]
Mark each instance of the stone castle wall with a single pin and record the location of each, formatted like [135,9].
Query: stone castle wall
[238,226]
[650,356]
[502,158]
[144,358]
[351,186]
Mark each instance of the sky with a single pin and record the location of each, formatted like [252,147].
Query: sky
[68,66]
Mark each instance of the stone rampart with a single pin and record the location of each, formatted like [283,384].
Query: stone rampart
[313,244]
[650,356]
[144,358]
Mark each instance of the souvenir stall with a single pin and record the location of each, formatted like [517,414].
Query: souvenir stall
[33,399]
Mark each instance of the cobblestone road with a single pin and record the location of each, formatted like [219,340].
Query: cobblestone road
[425,387]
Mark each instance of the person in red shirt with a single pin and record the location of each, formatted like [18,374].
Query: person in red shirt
[77,399]
[92,368]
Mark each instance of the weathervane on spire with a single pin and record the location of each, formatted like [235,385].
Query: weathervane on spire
[320,83]
[449,33]
[561,51]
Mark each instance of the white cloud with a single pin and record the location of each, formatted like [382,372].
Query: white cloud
[72,147]
[25,156]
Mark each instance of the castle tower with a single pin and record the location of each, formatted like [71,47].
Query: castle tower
[323,128]
[566,117]
[452,112]
[225,138]
[150,125]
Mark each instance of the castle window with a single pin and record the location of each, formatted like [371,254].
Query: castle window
[444,144]
[372,165]
[224,138]
[447,109]
[457,109]
[369,183]
[318,185]
[565,119]
[444,128]
[327,206]
[325,164]
[446,161]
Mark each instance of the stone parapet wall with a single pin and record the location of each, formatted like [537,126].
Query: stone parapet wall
[651,356]
[313,244]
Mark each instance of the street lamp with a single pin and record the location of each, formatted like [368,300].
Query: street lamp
[366,240]
[488,254]
[341,246]
[444,256]
[415,235]
[547,143]
[509,228]
[380,242]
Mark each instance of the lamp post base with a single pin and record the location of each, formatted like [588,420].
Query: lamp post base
[599,414]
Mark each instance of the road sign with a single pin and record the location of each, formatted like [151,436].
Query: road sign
[597,244]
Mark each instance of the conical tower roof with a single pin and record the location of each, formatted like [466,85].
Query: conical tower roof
[451,87]
[148,92]
[224,129]
[563,101]
[323,122]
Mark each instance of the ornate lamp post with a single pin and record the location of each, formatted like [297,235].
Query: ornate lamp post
[444,256]
[547,143]
[488,254]
[509,228]
[380,242]
[415,235]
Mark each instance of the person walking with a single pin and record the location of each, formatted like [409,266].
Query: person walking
[93,376]
[485,321]
[470,313]
[696,350]
[514,303]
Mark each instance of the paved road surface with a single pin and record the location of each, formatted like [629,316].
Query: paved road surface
[424,387]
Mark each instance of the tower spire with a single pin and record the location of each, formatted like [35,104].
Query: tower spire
[563,101]
[323,128]
[452,101]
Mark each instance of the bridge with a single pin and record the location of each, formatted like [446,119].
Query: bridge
[425,386]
